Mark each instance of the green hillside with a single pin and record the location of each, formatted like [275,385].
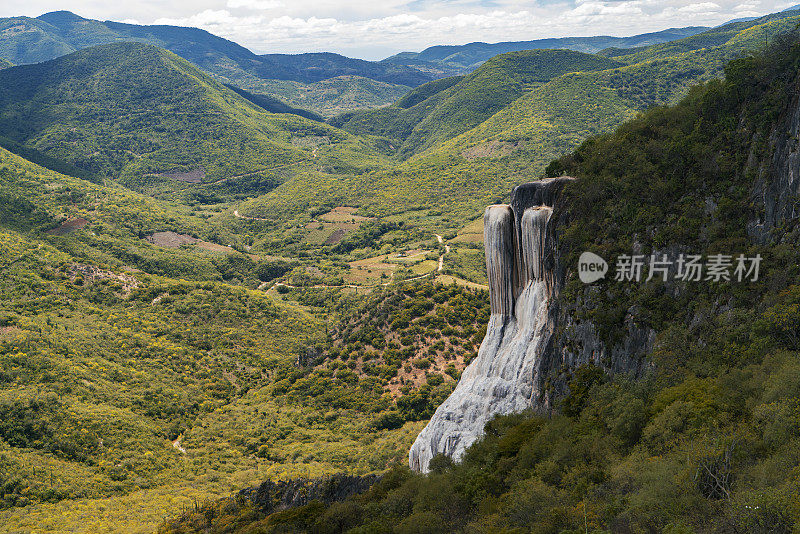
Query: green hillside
[111,348]
[449,112]
[324,83]
[153,121]
[574,106]
[708,440]
[514,144]
[205,287]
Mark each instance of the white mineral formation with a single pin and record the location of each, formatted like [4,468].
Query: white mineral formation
[506,375]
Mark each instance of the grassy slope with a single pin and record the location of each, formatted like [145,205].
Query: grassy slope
[132,111]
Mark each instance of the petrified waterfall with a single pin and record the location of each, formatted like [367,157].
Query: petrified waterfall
[508,375]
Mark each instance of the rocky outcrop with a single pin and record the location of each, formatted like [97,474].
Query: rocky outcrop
[777,187]
[509,372]
[272,496]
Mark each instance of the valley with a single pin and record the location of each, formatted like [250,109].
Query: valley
[221,268]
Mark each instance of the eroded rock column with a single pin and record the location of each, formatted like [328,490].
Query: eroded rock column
[506,376]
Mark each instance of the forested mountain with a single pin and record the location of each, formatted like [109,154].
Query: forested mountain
[708,439]
[656,74]
[154,122]
[447,112]
[26,40]
[472,55]
[515,143]
[353,83]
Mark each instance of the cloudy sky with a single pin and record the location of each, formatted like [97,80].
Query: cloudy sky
[374,29]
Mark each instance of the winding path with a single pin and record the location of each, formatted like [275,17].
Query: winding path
[236,214]
[440,267]
[446,250]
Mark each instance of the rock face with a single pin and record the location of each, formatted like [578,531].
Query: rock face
[285,494]
[509,372]
[777,186]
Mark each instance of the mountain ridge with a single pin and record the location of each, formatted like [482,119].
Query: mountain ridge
[472,54]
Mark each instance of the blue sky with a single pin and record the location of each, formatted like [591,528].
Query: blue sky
[374,29]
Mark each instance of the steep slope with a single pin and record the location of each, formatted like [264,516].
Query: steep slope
[155,122]
[445,113]
[715,37]
[509,373]
[575,106]
[472,55]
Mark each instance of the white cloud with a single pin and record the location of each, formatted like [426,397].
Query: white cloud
[703,7]
[374,29]
[255,4]
[220,20]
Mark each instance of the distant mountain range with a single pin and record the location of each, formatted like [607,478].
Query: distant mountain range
[290,77]
[506,119]
[471,56]
[25,40]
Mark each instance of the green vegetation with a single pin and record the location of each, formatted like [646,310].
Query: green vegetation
[203,288]
[112,348]
[33,40]
[472,55]
[157,124]
[513,145]
[326,97]
[627,457]
[412,341]
[449,111]
[708,439]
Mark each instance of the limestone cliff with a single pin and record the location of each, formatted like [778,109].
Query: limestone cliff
[509,372]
